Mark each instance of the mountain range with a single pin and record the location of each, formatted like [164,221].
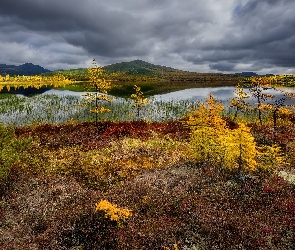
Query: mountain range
[27,69]
[136,67]
[132,68]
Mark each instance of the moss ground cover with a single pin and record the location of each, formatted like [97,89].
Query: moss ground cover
[48,200]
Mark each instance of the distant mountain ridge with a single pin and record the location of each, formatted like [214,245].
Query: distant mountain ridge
[135,67]
[27,69]
[132,68]
[124,71]
[138,67]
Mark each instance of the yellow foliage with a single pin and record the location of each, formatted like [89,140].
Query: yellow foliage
[100,109]
[206,127]
[239,148]
[97,80]
[33,81]
[109,165]
[207,114]
[263,81]
[265,107]
[281,110]
[232,149]
[175,246]
[285,111]
[212,141]
[270,157]
[113,212]
[140,101]
[138,96]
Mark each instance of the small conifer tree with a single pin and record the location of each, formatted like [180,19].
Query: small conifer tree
[101,86]
[139,99]
[212,142]
[239,102]
[206,127]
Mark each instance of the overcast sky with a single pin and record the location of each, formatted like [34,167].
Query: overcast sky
[195,35]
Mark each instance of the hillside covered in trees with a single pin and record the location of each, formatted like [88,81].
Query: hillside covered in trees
[26,69]
[139,70]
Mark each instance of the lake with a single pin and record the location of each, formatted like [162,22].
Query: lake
[58,106]
[224,94]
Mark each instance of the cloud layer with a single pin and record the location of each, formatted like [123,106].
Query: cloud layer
[195,35]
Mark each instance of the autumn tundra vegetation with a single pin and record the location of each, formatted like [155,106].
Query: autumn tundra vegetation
[217,178]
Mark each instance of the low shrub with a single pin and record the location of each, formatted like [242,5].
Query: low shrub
[11,150]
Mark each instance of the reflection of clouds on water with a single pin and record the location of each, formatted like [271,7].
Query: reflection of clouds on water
[63,92]
[58,106]
[277,96]
[224,94]
[198,94]
[74,93]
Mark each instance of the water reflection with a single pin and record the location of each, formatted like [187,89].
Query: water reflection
[29,91]
[224,94]
[63,92]
[59,106]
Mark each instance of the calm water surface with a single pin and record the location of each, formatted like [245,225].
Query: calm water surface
[58,106]
[224,94]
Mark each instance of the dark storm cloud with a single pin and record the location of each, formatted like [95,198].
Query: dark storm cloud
[266,30]
[91,26]
[199,35]
[222,66]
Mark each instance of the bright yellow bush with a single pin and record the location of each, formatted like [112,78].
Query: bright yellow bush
[239,148]
[113,212]
[270,157]
[212,142]
[206,127]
